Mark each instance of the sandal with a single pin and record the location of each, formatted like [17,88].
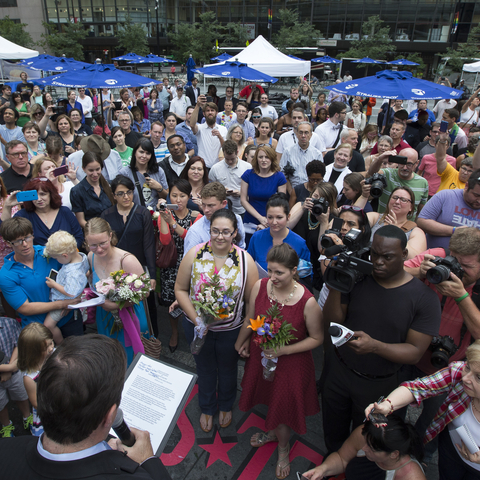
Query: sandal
[261,438]
[207,421]
[283,462]
[222,417]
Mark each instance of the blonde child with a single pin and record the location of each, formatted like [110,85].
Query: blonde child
[35,345]
[71,279]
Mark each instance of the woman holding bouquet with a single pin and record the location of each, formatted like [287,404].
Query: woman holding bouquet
[217,359]
[104,259]
[292,395]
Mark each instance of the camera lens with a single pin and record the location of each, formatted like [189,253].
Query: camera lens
[327,242]
[440,358]
[318,209]
[377,189]
[438,274]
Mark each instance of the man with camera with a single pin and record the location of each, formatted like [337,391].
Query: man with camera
[78,391]
[453,275]
[402,176]
[393,318]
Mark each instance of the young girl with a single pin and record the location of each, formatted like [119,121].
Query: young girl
[71,279]
[35,345]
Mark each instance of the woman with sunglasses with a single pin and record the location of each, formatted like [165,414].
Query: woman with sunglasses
[400,209]
[352,217]
[255,116]
[264,133]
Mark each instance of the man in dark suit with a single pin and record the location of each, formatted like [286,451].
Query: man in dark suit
[78,393]
[228,96]
[192,91]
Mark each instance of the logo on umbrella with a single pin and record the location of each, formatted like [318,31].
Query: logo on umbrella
[416,91]
[225,73]
[111,81]
[351,86]
[58,68]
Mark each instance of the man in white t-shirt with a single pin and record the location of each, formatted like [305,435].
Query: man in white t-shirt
[267,110]
[180,103]
[210,136]
[441,106]
[87,105]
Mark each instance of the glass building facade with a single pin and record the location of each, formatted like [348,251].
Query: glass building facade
[415,25]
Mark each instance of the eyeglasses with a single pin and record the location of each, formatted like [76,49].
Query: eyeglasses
[353,208]
[38,113]
[128,193]
[466,169]
[18,154]
[99,245]
[17,243]
[402,199]
[214,233]
[343,113]
[409,164]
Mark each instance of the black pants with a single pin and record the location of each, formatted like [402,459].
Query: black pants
[89,121]
[345,396]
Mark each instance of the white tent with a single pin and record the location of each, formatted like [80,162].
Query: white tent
[12,51]
[472,67]
[265,58]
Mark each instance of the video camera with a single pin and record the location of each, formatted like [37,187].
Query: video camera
[352,263]
[378,182]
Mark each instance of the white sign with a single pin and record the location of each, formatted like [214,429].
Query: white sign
[250,30]
[326,43]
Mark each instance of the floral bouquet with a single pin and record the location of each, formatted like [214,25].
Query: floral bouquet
[121,287]
[271,331]
[214,302]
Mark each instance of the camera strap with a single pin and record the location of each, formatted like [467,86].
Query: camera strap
[139,188]
[338,136]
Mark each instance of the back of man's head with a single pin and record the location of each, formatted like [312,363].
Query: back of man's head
[401,115]
[214,189]
[229,147]
[391,231]
[78,385]
[336,107]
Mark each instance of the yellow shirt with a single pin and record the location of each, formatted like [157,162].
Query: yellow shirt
[449,179]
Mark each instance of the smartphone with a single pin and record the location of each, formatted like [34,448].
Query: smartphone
[118,105]
[301,477]
[60,170]
[53,274]
[229,191]
[27,196]
[401,160]
[176,313]
[146,175]
[209,98]
[443,126]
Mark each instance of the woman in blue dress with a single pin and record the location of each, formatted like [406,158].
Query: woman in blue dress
[104,259]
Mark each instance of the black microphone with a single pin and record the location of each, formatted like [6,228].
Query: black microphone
[121,429]
[334,250]
[334,331]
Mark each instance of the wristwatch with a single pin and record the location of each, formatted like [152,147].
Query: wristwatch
[174,226]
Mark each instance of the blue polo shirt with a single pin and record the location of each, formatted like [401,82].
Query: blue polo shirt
[20,283]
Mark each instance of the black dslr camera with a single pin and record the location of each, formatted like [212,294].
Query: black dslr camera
[442,349]
[325,240]
[320,205]
[444,266]
[378,182]
[352,264]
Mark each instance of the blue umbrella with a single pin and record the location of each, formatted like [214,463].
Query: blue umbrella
[236,70]
[54,64]
[326,59]
[403,61]
[367,60]
[222,57]
[390,84]
[129,57]
[40,60]
[190,66]
[151,58]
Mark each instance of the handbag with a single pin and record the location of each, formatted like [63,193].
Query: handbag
[151,344]
[165,255]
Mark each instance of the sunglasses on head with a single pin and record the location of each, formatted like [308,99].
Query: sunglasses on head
[353,208]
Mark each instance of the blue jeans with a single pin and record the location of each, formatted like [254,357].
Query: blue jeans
[216,369]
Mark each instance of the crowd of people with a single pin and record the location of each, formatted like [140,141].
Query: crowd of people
[313,211]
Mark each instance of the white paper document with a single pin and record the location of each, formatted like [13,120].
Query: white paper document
[152,395]
[262,273]
[93,302]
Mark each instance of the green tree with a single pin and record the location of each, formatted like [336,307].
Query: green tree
[294,33]
[15,32]
[132,37]
[68,42]
[465,52]
[197,39]
[375,41]
[236,35]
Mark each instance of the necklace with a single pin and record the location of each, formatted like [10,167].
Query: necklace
[474,407]
[273,298]
[220,256]
[311,224]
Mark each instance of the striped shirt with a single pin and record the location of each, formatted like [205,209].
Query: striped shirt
[417,184]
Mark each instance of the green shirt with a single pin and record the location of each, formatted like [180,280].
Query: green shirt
[125,156]
[418,185]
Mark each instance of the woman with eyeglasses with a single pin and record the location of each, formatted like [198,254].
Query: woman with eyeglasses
[93,194]
[236,134]
[315,173]
[264,133]
[217,360]
[105,258]
[46,214]
[44,167]
[175,224]
[352,217]
[400,209]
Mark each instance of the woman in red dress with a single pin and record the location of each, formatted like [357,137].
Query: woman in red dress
[292,395]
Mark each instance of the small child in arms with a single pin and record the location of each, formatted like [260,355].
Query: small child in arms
[71,279]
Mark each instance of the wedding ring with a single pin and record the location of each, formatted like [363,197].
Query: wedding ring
[466,456]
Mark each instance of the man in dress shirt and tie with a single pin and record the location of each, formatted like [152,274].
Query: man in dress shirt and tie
[330,130]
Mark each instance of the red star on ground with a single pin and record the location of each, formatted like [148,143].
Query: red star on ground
[218,450]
